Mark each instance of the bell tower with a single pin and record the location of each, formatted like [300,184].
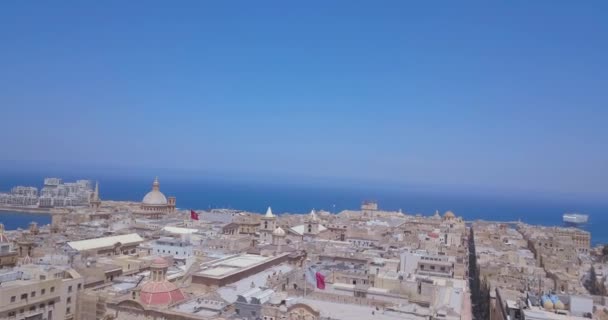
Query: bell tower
[268,224]
[312,224]
[95,201]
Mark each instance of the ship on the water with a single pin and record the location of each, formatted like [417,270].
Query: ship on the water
[575,219]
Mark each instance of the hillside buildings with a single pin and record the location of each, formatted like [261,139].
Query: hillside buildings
[149,260]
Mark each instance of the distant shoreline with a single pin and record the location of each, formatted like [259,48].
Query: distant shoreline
[25,209]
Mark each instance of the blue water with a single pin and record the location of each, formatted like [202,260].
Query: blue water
[283,196]
[15,220]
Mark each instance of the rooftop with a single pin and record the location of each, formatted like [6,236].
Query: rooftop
[233,264]
[105,242]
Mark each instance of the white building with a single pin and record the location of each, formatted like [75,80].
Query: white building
[180,249]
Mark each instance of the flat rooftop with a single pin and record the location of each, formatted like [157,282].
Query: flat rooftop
[234,264]
[353,311]
[105,242]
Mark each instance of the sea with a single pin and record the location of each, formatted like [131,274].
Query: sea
[194,192]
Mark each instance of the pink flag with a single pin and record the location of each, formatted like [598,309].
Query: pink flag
[320,281]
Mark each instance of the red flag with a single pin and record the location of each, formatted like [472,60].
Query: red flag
[320,281]
[193,215]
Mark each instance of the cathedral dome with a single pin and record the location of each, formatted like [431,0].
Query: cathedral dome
[279,232]
[155,197]
[159,263]
[158,291]
[161,293]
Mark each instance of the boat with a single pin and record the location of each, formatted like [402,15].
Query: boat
[575,219]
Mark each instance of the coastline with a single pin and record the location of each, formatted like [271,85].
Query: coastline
[34,210]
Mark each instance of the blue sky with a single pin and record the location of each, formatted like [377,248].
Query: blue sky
[480,95]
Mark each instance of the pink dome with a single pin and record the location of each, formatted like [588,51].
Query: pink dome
[160,293]
[159,263]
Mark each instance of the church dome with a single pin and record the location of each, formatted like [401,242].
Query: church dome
[449,214]
[160,293]
[279,232]
[159,263]
[155,197]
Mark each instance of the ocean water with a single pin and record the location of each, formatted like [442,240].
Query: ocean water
[205,193]
[16,220]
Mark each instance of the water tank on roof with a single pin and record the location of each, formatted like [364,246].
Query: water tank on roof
[547,304]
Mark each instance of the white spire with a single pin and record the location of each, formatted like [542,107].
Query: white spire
[269,213]
[96,193]
[313,215]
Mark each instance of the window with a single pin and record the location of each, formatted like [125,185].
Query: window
[21,311]
[52,289]
[51,303]
[432,267]
[42,292]
[237,311]
[41,306]
[69,289]
[13,298]
[69,300]
[79,286]
[24,296]
[421,267]
[68,310]
[12,314]
[253,313]
[33,294]
[33,308]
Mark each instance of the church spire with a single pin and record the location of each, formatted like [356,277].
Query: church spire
[313,215]
[95,201]
[96,193]
[156,184]
[269,213]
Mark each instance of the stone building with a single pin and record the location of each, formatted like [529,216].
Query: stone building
[154,205]
[39,292]
[267,226]
[8,255]
[107,246]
